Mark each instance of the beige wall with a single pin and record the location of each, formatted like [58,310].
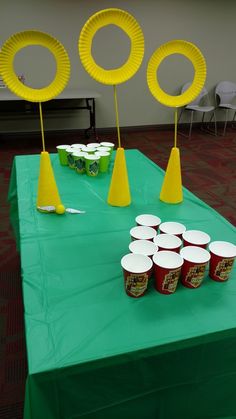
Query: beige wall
[207,23]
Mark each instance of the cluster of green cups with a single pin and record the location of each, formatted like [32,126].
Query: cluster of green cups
[90,159]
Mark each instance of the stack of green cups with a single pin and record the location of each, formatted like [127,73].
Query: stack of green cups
[90,159]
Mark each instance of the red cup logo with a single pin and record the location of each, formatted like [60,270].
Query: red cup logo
[170,281]
[223,269]
[136,284]
[195,275]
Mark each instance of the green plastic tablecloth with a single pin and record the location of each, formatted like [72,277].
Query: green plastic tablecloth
[95,353]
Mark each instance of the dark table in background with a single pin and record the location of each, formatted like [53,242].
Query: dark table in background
[69,99]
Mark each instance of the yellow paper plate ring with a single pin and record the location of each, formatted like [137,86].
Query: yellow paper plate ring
[191,52]
[129,25]
[23,39]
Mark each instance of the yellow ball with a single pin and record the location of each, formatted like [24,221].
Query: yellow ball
[60,209]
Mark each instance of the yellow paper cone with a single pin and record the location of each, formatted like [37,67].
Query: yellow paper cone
[47,189]
[119,193]
[171,191]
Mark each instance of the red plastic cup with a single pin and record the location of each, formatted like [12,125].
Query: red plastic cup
[148,220]
[136,269]
[195,262]
[168,242]
[196,238]
[142,233]
[222,260]
[172,227]
[167,269]
[143,247]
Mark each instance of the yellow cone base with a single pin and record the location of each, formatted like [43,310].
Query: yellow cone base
[119,193]
[171,191]
[47,189]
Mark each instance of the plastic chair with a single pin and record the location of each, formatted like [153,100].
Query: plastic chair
[225,93]
[198,106]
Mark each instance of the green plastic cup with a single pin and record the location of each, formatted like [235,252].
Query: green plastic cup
[91,150]
[70,158]
[79,161]
[96,145]
[108,144]
[62,154]
[92,164]
[104,160]
[78,146]
[103,148]
[87,149]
